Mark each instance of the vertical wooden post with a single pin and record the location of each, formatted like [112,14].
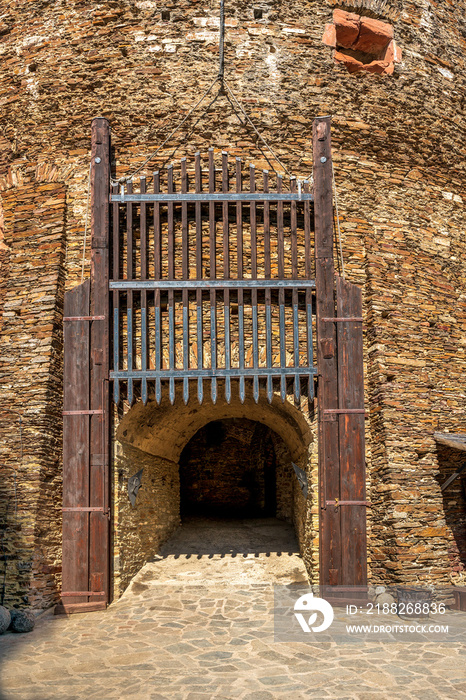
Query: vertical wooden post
[100,346]
[329,474]
[352,461]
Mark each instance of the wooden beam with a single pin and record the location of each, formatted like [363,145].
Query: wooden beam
[329,474]
[456,442]
[99,400]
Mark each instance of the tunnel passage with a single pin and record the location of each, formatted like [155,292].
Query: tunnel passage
[240,456]
[236,468]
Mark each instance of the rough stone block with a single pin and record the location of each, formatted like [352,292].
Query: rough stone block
[347,28]
[5,619]
[393,53]
[378,67]
[330,36]
[374,36]
[352,64]
[22,621]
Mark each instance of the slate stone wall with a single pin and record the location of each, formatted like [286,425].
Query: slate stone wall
[399,154]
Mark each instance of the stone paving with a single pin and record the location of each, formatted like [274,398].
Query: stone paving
[169,638]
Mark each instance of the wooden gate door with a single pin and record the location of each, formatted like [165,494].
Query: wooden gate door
[86,482]
[210,285]
[343,557]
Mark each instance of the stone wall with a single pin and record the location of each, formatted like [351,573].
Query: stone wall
[399,153]
[139,531]
[31,389]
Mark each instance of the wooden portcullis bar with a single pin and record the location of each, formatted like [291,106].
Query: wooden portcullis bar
[218,283]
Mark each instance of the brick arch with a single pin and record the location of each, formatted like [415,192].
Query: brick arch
[164,430]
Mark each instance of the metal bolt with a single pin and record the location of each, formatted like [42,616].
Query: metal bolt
[97,160]
[323,159]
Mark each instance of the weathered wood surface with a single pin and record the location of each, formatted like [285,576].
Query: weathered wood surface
[329,468]
[75,570]
[351,429]
[100,345]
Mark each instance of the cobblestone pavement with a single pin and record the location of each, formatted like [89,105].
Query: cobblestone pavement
[204,641]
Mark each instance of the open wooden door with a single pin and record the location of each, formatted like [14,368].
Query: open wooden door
[86,483]
[340,399]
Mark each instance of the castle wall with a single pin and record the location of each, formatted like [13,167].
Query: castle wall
[399,154]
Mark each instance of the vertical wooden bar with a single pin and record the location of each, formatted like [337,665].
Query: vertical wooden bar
[297,381]
[281,293]
[144,338]
[268,307]
[226,275]
[185,276]
[157,276]
[329,474]
[130,294]
[171,276]
[200,341]
[99,486]
[255,337]
[294,232]
[280,232]
[116,295]
[352,460]
[213,274]
[307,271]
[239,248]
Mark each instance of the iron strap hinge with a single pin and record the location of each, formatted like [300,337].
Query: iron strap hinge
[67,594]
[83,412]
[86,509]
[84,318]
[329,413]
[344,410]
[337,503]
[342,319]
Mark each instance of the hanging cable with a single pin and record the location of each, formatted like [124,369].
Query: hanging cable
[87,220]
[338,223]
[221,48]
[256,131]
[152,155]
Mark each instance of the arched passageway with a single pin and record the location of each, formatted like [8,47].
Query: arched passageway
[211,461]
[236,468]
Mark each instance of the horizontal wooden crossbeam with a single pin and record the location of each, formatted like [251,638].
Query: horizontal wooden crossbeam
[213,197]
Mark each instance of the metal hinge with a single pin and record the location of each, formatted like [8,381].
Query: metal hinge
[84,318]
[329,413]
[337,503]
[83,412]
[68,594]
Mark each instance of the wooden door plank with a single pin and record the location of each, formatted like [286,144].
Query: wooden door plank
[75,557]
[99,486]
[351,428]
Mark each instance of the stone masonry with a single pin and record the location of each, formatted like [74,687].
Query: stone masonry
[399,159]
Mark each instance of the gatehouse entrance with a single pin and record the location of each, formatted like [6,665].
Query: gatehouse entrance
[229,469]
[212,285]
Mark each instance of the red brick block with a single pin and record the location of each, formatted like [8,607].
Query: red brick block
[347,28]
[374,36]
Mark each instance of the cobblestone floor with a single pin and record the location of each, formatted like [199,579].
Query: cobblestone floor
[202,641]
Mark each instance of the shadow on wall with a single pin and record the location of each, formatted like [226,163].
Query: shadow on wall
[454,502]
[235,468]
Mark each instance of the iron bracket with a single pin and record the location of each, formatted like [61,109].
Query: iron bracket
[84,412]
[84,318]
